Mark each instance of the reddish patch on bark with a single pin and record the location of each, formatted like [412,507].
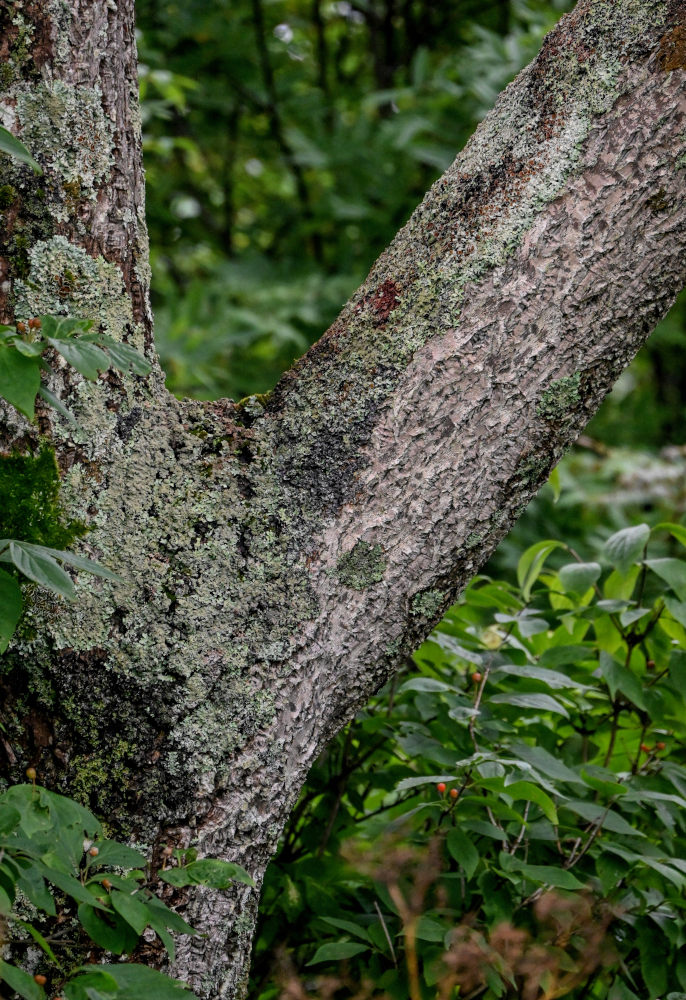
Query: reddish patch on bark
[673,49]
[384,300]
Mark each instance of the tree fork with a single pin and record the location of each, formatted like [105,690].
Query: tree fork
[282,555]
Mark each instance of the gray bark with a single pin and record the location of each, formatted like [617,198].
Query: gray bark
[283,555]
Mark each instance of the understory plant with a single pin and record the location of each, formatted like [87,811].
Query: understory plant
[511,820]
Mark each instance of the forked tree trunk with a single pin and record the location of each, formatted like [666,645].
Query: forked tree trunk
[283,555]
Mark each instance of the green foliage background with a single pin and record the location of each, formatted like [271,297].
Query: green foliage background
[286,141]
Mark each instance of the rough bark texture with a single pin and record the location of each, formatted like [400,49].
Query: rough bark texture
[284,554]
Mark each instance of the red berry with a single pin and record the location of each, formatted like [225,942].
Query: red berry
[34,324]
[106,884]
[94,851]
[650,664]
[645,748]
[21,327]
[660,745]
[454,793]
[440,787]
[41,980]
[477,677]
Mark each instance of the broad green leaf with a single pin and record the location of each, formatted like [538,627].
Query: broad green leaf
[112,932]
[678,531]
[545,762]
[431,779]
[555,484]
[19,379]
[125,357]
[540,702]
[132,982]
[34,563]
[10,818]
[531,564]
[578,577]
[620,678]
[428,929]
[559,878]
[112,853]
[425,684]
[21,982]
[347,925]
[531,793]
[88,359]
[673,572]
[677,609]
[334,951]
[131,909]
[608,819]
[212,872]
[13,147]
[10,608]
[626,546]
[463,851]
[552,678]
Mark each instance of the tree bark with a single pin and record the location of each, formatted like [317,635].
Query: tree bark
[282,555]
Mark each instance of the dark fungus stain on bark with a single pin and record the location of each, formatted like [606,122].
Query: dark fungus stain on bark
[673,49]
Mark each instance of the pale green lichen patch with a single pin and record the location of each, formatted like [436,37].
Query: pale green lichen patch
[560,400]
[362,567]
[428,603]
[66,127]
[64,280]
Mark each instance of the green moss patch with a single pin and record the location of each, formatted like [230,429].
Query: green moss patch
[31,511]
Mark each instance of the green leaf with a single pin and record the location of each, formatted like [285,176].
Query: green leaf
[608,819]
[10,608]
[125,357]
[88,359]
[212,872]
[540,702]
[39,939]
[428,929]
[132,982]
[431,779]
[21,982]
[463,851]
[131,909]
[673,572]
[532,793]
[347,925]
[677,530]
[548,875]
[620,678]
[19,379]
[555,484]
[119,855]
[531,564]
[625,546]
[578,577]
[334,951]
[114,933]
[13,147]
[34,563]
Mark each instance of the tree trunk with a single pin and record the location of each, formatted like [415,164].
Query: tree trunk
[283,555]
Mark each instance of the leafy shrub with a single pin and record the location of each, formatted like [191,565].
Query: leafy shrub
[65,888]
[511,822]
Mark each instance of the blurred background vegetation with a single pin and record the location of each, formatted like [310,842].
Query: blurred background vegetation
[285,143]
